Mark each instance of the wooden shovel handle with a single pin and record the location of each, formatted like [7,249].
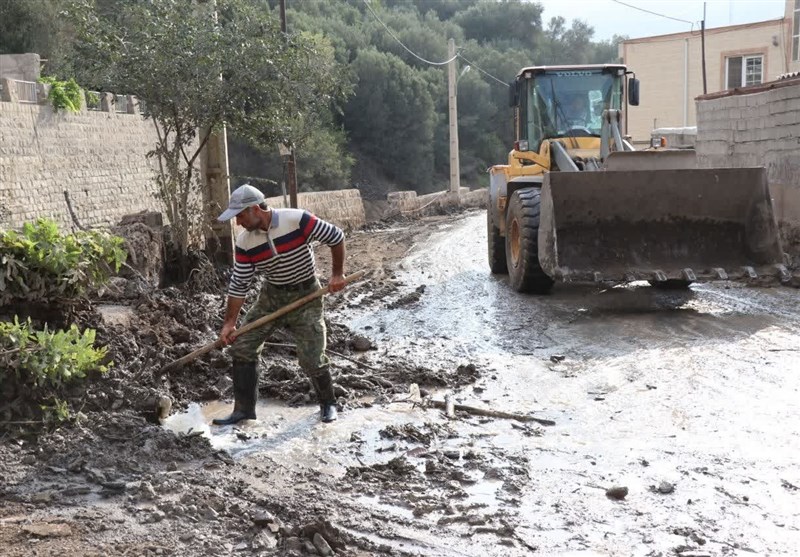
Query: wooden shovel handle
[257,323]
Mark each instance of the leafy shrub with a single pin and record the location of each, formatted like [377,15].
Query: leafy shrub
[63,94]
[43,358]
[40,263]
[35,365]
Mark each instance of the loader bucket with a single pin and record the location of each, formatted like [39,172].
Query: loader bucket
[658,225]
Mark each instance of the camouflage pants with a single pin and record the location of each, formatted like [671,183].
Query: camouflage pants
[306,324]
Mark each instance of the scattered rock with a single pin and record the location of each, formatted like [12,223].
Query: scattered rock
[293,544]
[264,540]
[45,530]
[263,518]
[361,343]
[666,488]
[210,513]
[617,493]
[309,548]
[276,526]
[146,491]
[46,496]
[322,546]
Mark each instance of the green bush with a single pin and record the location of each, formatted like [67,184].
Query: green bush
[40,263]
[63,94]
[36,365]
[45,359]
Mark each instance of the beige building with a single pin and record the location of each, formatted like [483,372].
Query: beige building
[670,67]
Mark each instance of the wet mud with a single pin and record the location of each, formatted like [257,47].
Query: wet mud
[675,422]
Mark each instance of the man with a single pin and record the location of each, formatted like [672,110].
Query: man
[577,111]
[277,243]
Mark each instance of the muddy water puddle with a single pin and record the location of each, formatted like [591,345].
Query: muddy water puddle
[294,435]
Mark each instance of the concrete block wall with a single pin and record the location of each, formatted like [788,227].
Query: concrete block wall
[92,161]
[761,128]
[341,207]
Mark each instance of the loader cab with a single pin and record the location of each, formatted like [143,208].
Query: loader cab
[564,101]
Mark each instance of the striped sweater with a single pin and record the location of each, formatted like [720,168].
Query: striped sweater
[284,253]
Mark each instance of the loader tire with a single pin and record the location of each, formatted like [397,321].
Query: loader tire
[522,243]
[497,246]
[670,284]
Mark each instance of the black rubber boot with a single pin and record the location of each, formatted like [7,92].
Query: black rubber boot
[323,385]
[245,393]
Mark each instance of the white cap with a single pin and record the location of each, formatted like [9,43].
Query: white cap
[242,197]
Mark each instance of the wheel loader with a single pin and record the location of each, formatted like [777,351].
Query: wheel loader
[577,203]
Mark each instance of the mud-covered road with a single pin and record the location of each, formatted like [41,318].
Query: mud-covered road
[698,389]
[686,402]
[688,399]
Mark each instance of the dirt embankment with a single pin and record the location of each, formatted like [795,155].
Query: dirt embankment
[114,482]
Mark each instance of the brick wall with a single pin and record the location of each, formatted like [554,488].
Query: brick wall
[760,126]
[96,158]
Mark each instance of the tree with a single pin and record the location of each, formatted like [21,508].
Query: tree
[198,64]
[491,22]
[391,117]
[34,26]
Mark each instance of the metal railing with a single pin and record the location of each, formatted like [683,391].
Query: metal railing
[92,100]
[121,103]
[27,92]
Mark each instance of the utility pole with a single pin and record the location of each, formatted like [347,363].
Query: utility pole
[291,162]
[452,97]
[220,242]
[703,47]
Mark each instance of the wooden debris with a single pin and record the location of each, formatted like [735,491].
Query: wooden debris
[490,413]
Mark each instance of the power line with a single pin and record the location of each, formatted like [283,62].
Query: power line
[654,13]
[484,72]
[415,55]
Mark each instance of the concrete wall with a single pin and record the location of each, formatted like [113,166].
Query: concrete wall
[25,67]
[669,68]
[761,128]
[341,207]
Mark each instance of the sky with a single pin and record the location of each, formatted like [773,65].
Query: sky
[610,17]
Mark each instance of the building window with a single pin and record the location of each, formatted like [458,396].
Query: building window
[796,31]
[743,70]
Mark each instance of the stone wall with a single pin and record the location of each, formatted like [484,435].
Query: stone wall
[408,203]
[341,207]
[86,168]
[89,169]
[758,126]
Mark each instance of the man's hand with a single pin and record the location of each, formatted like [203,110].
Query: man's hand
[225,333]
[336,283]
[232,310]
